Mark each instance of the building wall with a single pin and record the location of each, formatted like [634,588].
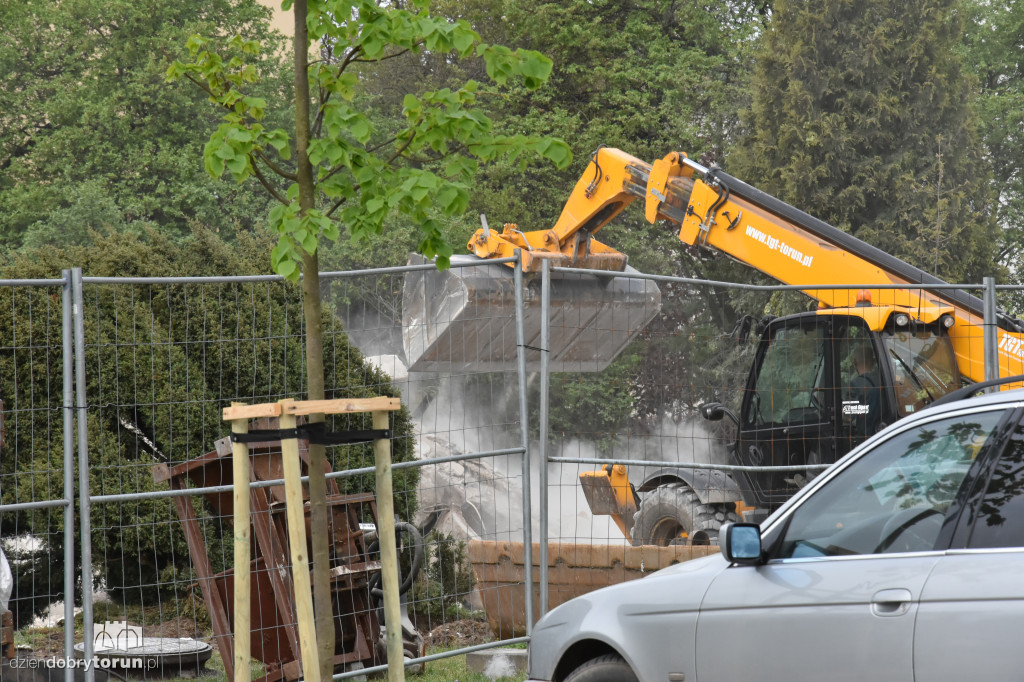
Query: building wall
[282,20]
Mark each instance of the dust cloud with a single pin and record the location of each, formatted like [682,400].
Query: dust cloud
[483,498]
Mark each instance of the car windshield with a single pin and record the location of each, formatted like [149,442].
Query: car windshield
[924,367]
[893,498]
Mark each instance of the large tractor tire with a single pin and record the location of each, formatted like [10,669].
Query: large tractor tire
[607,668]
[672,514]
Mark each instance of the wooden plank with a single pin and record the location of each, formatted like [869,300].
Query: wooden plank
[343,406]
[273,546]
[252,411]
[295,515]
[161,473]
[240,478]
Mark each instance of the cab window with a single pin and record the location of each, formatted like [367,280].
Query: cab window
[895,497]
[924,367]
[791,378]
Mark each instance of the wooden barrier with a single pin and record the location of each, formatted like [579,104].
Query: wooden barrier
[287,411]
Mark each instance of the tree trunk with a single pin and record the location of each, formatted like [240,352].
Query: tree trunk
[311,309]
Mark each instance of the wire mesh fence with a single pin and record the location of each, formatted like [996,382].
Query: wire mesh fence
[552,440]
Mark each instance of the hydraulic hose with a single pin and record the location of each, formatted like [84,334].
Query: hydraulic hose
[401,527]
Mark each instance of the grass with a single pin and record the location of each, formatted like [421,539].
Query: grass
[451,669]
[454,669]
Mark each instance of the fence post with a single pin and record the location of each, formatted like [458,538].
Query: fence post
[545,345]
[990,324]
[525,437]
[69,470]
[78,313]
[296,522]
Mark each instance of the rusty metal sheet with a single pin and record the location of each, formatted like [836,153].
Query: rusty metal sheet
[573,569]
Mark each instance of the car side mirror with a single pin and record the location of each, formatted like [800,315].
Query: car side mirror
[714,412]
[740,543]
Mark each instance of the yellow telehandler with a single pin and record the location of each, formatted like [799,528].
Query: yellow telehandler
[821,382]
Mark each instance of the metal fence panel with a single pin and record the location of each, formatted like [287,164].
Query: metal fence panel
[156,360]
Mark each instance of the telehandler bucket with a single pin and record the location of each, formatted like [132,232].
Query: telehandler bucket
[464,318]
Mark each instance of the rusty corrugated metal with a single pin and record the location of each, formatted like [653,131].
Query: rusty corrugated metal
[574,569]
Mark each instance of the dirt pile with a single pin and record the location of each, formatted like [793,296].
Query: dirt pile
[459,633]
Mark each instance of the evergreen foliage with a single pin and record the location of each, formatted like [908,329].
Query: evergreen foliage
[993,35]
[161,363]
[862,116]
[90,135]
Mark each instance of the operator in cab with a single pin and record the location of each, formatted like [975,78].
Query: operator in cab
[864,395]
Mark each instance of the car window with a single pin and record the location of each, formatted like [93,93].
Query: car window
[999,519]
[893,498]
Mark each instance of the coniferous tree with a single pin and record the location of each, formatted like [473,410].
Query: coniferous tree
[862,116]
[993,39]
[91,137]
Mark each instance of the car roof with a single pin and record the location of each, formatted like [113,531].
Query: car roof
[995,398]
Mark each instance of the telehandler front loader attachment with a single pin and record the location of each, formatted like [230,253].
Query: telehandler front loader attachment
[464,318]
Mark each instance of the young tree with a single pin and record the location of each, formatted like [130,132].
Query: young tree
[862,116]
[347,170]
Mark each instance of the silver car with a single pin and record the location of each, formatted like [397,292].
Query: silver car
[904,561]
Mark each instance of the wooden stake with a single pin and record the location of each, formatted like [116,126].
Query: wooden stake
[388,551]
[240,480]
[297,544]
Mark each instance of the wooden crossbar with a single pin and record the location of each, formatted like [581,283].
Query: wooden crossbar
[307,407]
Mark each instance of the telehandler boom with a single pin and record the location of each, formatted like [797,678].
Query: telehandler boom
[821,382]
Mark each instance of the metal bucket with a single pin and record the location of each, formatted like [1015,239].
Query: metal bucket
[464,318]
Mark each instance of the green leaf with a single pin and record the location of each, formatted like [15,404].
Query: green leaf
[214,165]
[238,166]
[360,129]
[288,269]
[225,152]
[278,139]
[239,134]
[308,241]
[256,106]
[331,231]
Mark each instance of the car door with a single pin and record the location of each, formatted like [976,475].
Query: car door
[972,606]
[846,566]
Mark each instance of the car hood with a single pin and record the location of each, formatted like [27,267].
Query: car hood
[617,614]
